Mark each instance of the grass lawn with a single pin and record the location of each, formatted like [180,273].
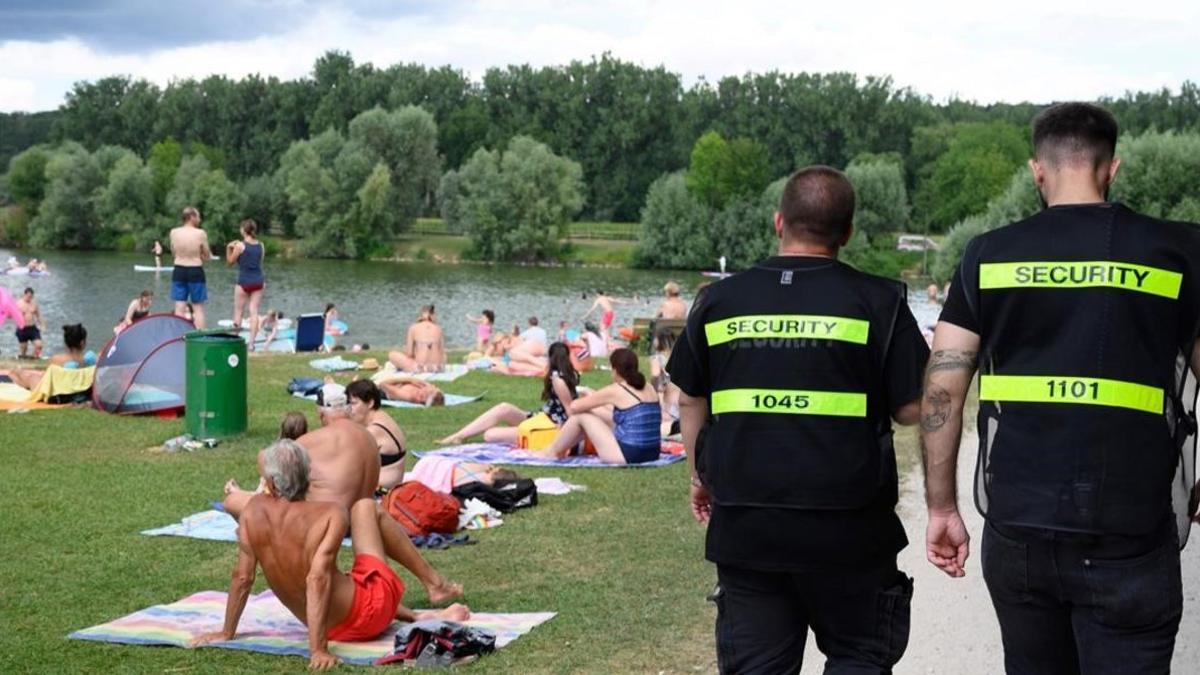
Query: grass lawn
[622,563]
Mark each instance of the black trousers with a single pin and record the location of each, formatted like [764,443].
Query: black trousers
[860,619]
[1084,604]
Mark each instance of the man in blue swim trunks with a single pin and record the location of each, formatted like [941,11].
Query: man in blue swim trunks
[32,332]
[189,248]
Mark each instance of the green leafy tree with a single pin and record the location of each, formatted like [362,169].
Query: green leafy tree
[405,141]
[450,202]
[126,202]
[163,161]
[1018,201]
[27,177]
[517,204]
[706,170]
[675,231]
[67,217]
[976,167]
[881,200]
[265,202]
[1159,172]
[211,191]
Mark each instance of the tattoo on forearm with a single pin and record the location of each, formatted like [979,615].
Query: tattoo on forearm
[935,410]
[951,359]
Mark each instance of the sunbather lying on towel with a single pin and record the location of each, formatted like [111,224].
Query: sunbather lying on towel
[345,468]
[296,543]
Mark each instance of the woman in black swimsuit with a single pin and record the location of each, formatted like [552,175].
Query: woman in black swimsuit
[139,308]
[365,401]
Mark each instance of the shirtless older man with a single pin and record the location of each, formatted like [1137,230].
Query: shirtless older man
[296,542]
[344,469]
[672,306]
[189,248]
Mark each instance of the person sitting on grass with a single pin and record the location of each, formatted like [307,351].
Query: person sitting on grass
[345,468]
[77,355]
[424,346]
[365,402]
[296,542]
[630,434]
[293,426]
[558,391]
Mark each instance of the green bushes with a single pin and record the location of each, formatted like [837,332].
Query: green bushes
[514,204]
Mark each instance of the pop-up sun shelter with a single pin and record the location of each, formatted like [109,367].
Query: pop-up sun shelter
[141,370]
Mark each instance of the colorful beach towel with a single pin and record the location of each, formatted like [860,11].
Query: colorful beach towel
[268,627]
[502,453]
[451,399]
[216,525]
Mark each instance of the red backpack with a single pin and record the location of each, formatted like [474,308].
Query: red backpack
[421,510]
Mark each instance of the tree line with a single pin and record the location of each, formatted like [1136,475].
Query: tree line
[291,153]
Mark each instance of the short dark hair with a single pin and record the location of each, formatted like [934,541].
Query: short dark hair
[28,290]
[818,205]
[365,391]
[1075,133]
[533,321]
[491,316]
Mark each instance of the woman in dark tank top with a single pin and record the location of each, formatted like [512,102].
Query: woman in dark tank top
[247,255]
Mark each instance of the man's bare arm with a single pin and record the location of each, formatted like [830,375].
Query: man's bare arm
[947,379]
[693,414]
[240,585]
[319,584]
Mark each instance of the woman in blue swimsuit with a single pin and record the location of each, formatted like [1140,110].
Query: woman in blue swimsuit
[633,435]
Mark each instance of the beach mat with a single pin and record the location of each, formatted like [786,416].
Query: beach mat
[451,400]
[268,627]
[216,525]
[502,453]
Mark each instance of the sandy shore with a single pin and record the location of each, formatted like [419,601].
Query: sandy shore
[953,628]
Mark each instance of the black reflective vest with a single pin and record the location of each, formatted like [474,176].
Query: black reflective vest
[1084,314]
[795,354]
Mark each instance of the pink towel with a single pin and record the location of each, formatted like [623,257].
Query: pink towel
[437,473]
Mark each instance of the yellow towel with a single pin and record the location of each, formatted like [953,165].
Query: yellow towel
[58,381]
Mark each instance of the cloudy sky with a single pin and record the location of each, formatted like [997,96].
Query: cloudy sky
[1007,51]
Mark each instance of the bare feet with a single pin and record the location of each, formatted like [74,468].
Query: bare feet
[455,612]
[443,591]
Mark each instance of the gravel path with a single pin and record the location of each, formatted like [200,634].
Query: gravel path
[954,630]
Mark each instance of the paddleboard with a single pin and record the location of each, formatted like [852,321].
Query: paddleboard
[716,275]
[152,268]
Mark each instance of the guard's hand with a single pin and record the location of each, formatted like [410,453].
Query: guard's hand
[322,660]
[701,503]
[947,543]
[215,636]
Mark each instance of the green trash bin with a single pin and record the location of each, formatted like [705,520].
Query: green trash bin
[216,385]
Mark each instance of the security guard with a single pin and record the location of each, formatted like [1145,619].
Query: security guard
[797,367]
[1082,320]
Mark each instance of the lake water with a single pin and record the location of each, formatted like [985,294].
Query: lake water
[377,299]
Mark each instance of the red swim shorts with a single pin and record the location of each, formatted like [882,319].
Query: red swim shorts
[251,288]
[377,594]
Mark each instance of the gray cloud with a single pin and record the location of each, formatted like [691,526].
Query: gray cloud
[132,26]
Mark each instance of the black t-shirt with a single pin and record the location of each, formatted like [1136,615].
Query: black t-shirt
[1083,306]
[790,539]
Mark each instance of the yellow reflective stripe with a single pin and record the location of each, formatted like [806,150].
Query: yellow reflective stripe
[789,402]
[787,326]
[1066,389]
[1089,274]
